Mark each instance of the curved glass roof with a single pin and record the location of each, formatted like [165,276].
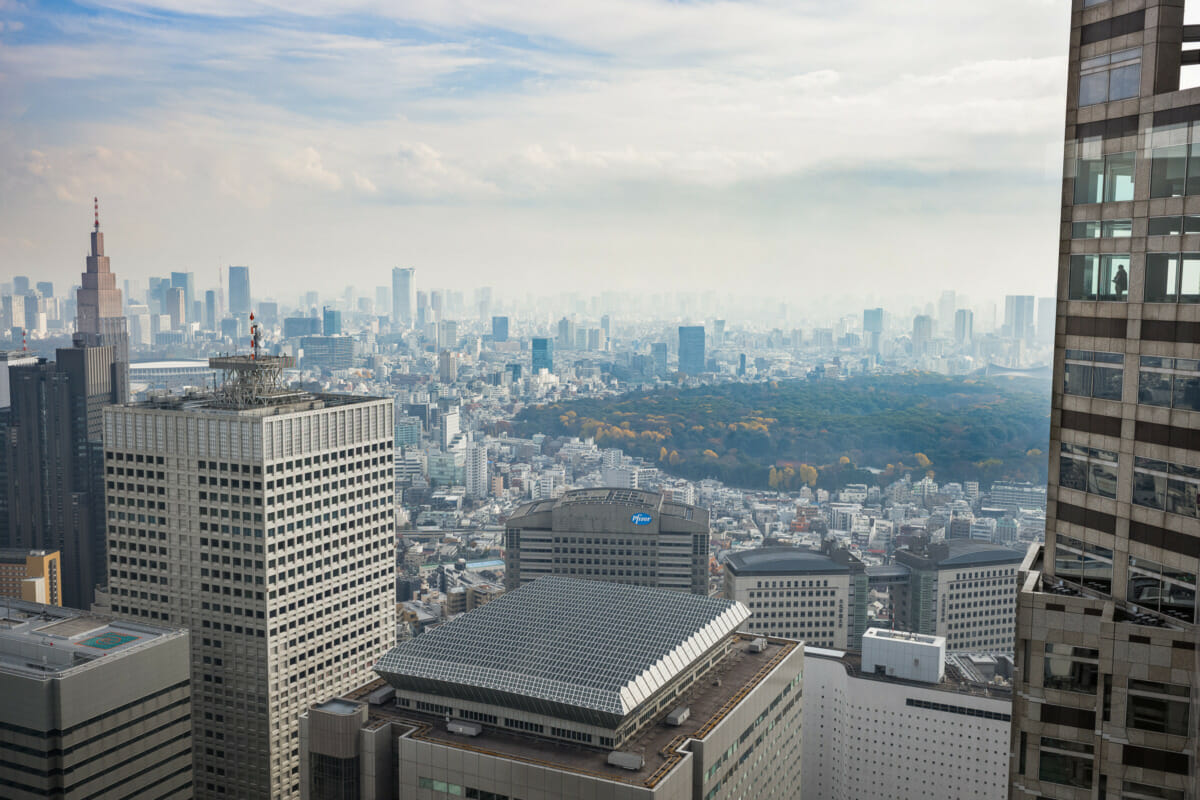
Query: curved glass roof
[565,647]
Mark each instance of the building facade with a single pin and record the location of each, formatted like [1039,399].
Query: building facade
[239,291]
[93,707]
[404,296]
[660,698]
[541,355]
[817,598]
[878,727]
[960,589]
[1106,701]
[33,575]
[691,349]
[261,519]
[615,535]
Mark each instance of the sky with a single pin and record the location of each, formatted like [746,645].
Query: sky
[793,149]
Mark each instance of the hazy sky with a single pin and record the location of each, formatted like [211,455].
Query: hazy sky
[796,148]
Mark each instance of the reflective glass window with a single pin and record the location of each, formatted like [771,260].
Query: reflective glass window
[1085,230]
[1168,171]
[1162,226]
[1117,228]
[1089,180]
[1189,278]
[1162,275]
[1118,176]
[1071,669]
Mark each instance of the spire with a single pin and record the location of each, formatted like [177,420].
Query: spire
[96,208]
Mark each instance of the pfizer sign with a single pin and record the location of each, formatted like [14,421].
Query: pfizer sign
[641,518]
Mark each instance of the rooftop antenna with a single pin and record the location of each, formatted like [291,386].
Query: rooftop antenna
[253,338]
[24,343]
[96,210]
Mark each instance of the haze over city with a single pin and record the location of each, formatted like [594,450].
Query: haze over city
[638,146]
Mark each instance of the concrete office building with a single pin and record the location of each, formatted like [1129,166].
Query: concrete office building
[691,349]
[615,535]
[329,352]
[960,589]
[33,575]
[499,329]
[570,689]
[260,518]
[1107,696]
[404,296]
[818,598]
[903,721]
[93,707]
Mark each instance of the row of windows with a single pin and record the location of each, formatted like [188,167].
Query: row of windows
[1164,382]
[951,709]
[454,790]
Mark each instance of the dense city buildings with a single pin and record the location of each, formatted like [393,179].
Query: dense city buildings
[1108,655]
[261,519]
[961,590]
[616,535]
[900,719]
[33,575]
[656,695]
[93,707]
[798,593]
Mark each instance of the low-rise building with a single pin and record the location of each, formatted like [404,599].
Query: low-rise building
[33,575]
[903,723]
[819,598]
[569,688]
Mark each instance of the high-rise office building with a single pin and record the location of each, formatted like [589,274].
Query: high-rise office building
[614,535]
[476,471]
[404,296]
[922,334]
[99,319]
[1107,690]
[570,689]
[331,321]
[819,598]
[947,305]
[239,291]
[1019,316]
[93,707]
[33,575]
[210,310]
[691,349]
[542,353]
[964,326]
[176,310]
[187,282]
[261,519]
[499,329]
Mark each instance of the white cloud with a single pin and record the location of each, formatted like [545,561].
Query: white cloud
[306,167]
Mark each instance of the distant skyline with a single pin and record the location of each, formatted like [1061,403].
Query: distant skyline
[799,149]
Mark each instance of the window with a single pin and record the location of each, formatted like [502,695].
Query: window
[1172,278]
[1113,76]
[1162,589]
[1169,382]
[1158,707]
[1099,277]
[1088,564]
[1071,669]
[1103,229]
[1172,226]
[1088,469]
[1094,374]
[1104,179]
[1174,488]
[1065,762]
[1168,171]
[1142,791]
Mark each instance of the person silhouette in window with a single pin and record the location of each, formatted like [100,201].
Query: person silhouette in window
[1120,281]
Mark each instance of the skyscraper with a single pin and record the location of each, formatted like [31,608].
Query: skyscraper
[542,352]
[404,296]
[100,317]
[1106,699]
[331,320]
[1019,316]
[239,291]
[947,304]
[476,471]
[964,326]
[269,517]
[691,349]
[499,329]
[922,334]
[187,282]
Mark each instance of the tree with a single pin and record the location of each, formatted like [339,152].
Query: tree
[923,461]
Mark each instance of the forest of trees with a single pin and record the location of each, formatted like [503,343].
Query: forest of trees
[785,434]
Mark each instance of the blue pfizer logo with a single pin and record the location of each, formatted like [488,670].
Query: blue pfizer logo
[641,518]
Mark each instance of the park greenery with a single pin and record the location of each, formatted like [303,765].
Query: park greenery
[787,434]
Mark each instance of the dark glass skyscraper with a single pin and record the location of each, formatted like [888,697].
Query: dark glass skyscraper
[691,349]
[239,291]
[499,329]
[542,352]
[1105,701]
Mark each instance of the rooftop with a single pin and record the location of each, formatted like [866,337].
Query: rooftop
[963,553]
[47,642]
[784,561]
[550,645]
[710,702]
[649,502]
[957,678]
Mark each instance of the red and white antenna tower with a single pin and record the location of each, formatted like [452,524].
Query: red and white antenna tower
[96,210]
[253,338]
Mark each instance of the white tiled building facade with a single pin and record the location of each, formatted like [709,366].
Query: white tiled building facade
[268,532]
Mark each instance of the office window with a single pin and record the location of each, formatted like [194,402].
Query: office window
[1099,277]
[1169,382]
[1104,179]
[1162,589]
[1173,226]
[1161,485]
[1093,374]
[1088,564]
[1113,76]
[1131,790]
[1102,229]
[1065,762]
[1158,707]
[1071,669]
[1172,278]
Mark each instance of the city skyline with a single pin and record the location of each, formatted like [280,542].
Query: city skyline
[733,144]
